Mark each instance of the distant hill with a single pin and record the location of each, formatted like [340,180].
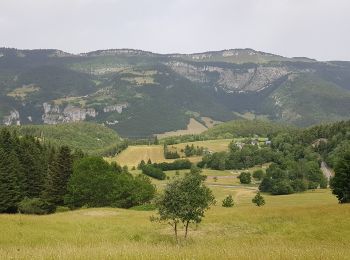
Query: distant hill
[139,93]
[239,128]
[90,138]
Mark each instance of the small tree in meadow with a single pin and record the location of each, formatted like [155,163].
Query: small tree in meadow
[184,201]
[258,200]
[228,202]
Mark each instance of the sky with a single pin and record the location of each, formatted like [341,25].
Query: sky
[311,28]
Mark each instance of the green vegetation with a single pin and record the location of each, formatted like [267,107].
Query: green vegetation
[96,183]
[179,164]
[36,178]
[245,128]
[245,178]
[258,200]
[90,138]
[30,170]
[341,180]
[35,206]
[228,202]
[184,201]
[153,172]
[162,97]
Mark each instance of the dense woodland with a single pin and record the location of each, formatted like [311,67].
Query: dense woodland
[296,157]
[36,178]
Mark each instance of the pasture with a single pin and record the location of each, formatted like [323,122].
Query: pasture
[310,225]
[135,153]
[193,127]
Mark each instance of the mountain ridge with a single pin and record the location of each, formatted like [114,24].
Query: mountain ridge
[141,93]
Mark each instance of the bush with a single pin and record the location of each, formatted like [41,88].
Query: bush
[36,206]
[258,175]
[299,185]
[323,183]
[245,178]
[313,185]
[282,187]
[179,164]
[62,209]
[258,200]
[153,172]
[228,202]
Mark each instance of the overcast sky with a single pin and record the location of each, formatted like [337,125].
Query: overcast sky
[314,28]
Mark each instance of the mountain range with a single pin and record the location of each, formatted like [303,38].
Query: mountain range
[139,93]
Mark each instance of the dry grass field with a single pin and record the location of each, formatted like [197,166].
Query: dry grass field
[193,127]
[309,225]
[134,154]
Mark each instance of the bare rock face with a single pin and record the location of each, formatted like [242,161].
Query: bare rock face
[13,118]
[54,115]
[230,79]
[118,107]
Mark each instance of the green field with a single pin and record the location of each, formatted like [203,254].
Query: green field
[310,225]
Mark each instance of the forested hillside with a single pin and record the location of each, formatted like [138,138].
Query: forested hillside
[88,137]
[141,93]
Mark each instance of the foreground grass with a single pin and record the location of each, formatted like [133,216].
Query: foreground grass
[310,225]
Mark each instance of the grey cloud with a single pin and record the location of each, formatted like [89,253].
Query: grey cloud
[314,28]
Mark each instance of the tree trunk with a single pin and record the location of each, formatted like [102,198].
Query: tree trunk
[186,228]
[175,230]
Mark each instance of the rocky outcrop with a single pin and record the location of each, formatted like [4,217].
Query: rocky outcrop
[118,107]
[13,118]
[52,114]
[230,79]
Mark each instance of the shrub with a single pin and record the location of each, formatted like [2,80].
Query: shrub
[153,172]
[258,175]
[313,185]
[299,185]
[282,187]
[323,183]
[179,164]
[258,200]
[35,206]
[228,202]
[245,178]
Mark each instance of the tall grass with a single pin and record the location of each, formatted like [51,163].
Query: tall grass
[300,226]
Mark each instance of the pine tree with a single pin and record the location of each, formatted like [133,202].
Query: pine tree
[59,171]
[51,191]
[10,182]
[258,200]
[65,169]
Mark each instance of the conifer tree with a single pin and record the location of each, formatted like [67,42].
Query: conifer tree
[10,182]
[64,165]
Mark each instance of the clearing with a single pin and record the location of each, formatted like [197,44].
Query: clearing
[193,127]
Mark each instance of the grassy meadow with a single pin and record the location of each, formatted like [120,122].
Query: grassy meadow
[310,225]
[133,155]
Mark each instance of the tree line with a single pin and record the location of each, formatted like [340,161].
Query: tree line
[36,178]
